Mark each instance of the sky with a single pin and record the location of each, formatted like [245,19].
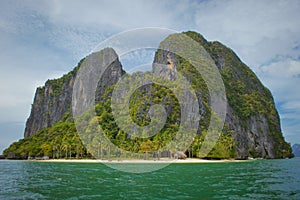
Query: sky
[41,40]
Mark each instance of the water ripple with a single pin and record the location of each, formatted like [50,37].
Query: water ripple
[263,179]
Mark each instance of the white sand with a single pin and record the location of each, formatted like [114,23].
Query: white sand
[162,160]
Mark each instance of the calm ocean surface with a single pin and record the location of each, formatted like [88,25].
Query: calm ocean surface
[261,179]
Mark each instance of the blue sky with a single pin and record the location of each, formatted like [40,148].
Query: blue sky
[42,39]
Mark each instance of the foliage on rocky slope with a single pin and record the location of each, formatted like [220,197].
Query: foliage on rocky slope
[252,125]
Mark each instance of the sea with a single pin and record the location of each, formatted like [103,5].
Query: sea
[257,179]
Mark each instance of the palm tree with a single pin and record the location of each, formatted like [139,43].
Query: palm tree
[158,144]
[66,146]
[77,142]
[146,147]
[46,149]
[198,143]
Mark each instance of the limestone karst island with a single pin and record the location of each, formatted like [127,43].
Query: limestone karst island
[251,129]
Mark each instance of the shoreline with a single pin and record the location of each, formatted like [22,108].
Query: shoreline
[137,161]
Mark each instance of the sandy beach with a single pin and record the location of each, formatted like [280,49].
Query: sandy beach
[162,160]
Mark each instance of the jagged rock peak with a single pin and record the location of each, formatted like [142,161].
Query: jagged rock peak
[52,102]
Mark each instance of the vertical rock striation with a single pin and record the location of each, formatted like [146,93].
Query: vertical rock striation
[52,102]
[251,119]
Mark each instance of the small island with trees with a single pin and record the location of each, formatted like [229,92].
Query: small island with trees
[251,129]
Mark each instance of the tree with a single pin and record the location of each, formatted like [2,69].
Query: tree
[146,147]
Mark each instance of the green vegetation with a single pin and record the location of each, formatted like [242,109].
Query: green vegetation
[246,96]
[245,93]
[59,141]
[58,85]
[62,141]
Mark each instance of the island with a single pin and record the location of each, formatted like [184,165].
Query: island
[251,127]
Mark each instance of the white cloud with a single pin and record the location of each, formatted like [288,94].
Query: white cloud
[266,36]
[39,38]
[17,92]
[258,30]
[287,68]
[292,105]
[282,77]
[106,14]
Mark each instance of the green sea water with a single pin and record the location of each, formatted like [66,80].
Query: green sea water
[260,179]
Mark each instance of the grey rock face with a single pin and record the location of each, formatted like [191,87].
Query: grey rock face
[258,134]
[251,135]
[165,66]
[53,100]
[49,106]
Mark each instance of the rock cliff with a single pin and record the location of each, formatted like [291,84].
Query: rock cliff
[53,101]
[251,119]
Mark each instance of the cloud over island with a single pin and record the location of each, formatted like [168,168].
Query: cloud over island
[44,39]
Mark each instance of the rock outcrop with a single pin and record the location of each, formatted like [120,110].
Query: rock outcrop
[53,101]
[252,119]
